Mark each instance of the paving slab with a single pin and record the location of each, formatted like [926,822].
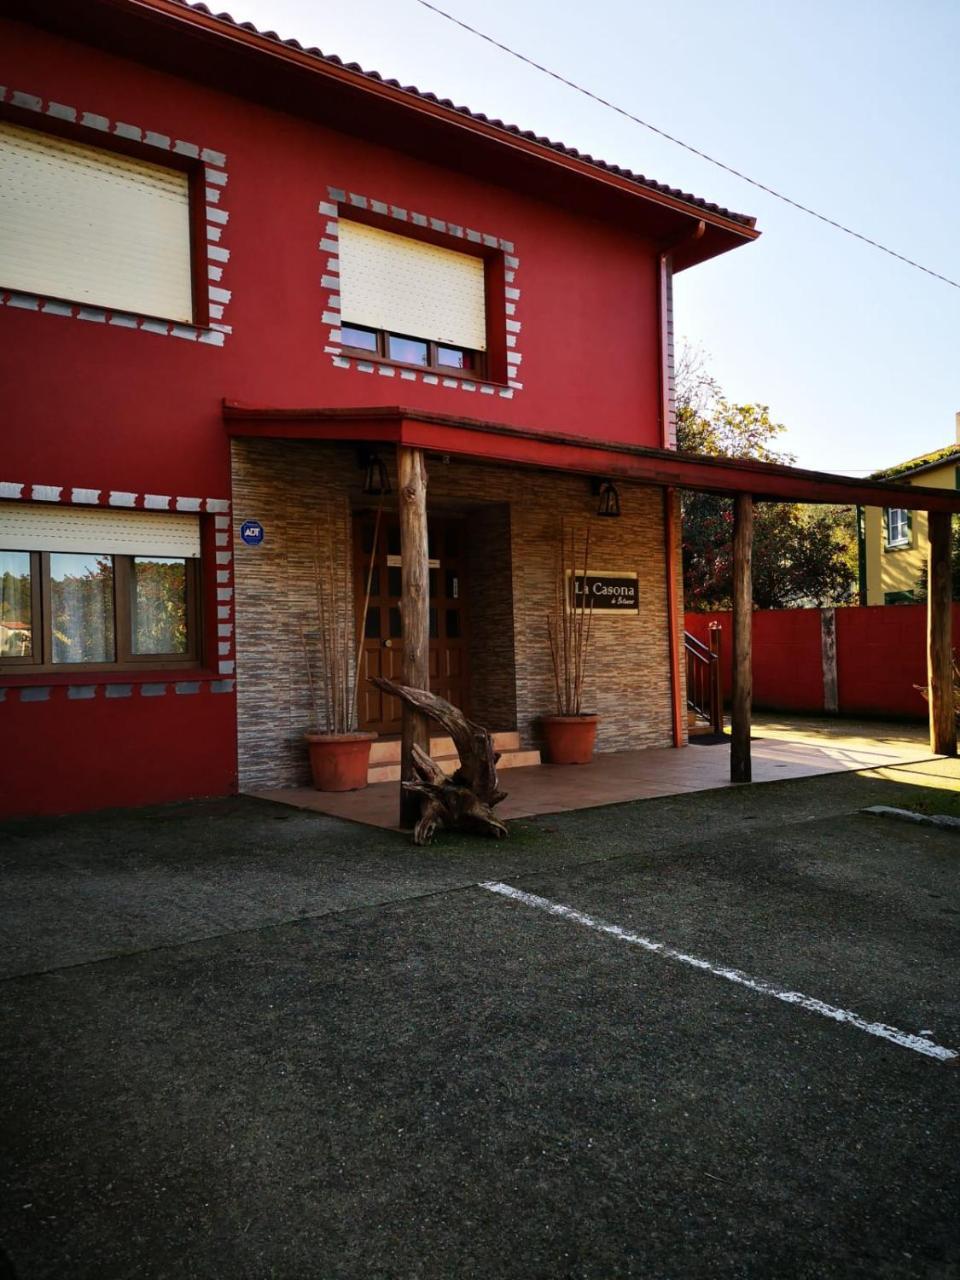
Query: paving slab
[783,748]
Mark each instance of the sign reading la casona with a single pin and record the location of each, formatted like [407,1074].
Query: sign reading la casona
[616,592]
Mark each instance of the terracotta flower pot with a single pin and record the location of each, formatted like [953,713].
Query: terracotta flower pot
[339,761]
[570,739]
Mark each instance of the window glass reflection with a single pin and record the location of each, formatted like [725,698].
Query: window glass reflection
[408,350]
[364,339]
[81,604]
[455,358]
[16,605]
[159,605]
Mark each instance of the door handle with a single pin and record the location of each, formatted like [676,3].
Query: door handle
[388,644]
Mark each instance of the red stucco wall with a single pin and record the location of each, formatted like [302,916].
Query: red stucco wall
[587,305]
[95,406]
[881,657]
[61,756]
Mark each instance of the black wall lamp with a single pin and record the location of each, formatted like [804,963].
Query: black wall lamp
[609,504]
[376,481]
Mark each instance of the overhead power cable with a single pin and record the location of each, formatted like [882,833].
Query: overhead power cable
[612,106]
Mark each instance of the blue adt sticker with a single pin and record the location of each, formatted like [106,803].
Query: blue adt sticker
[251,531]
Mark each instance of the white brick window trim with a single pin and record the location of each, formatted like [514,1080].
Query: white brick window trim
[219,508]
[340,202]
[218,256]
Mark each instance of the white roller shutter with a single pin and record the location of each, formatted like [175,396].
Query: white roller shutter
[93,226]
[37,527]
[405,286]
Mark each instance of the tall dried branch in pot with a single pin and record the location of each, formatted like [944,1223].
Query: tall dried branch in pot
[328,644]
[570,623]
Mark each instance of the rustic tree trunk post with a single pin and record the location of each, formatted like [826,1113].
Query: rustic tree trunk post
[742,692]
[943,722]
[414,614]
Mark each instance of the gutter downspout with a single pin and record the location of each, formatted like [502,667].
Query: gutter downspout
[665,309]
[665,316]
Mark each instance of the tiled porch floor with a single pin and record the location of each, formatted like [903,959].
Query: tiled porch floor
[783,747]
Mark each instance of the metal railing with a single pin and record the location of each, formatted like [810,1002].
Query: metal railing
[704,682]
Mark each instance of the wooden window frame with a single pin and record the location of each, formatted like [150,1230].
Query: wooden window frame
[126,659]
[196,195]
[382,354]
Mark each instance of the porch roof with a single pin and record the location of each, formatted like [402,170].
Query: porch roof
[493,442]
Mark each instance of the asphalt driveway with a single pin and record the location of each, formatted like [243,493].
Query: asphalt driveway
[246,1042]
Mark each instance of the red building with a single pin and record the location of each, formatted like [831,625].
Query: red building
[234,273]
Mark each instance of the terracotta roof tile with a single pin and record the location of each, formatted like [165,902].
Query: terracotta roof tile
[639,178]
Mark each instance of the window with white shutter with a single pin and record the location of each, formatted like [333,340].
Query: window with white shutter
[90,225]
[85,587]
[410,301]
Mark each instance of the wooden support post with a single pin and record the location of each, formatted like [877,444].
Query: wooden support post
[671,544]
[742,692]
[943,722]
[414,613]
[828,660]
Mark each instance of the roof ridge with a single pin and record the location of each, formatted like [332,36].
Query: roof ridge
[698,202]
[921,461]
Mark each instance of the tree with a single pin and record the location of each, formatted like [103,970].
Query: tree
[802,555]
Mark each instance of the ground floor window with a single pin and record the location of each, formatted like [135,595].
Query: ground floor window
[63,609]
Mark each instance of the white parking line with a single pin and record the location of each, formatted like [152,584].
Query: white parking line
[903,1038]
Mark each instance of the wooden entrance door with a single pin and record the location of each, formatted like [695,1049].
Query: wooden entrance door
[382,652]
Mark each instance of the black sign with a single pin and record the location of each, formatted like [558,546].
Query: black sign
[607,591]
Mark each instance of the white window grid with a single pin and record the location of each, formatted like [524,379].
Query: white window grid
[898,527]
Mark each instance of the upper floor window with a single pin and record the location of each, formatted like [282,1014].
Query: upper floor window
[88,588]
[411,302]
[89,225]
[898,527]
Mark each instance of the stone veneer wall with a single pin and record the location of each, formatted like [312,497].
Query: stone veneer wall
[489,586]
[292,487]
[628,669]
[294,490]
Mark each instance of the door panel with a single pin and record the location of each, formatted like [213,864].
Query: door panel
[383,633]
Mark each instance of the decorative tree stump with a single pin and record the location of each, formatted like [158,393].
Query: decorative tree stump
[465,800]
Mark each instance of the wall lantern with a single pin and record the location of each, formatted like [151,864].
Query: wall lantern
[376,482]
[609,504]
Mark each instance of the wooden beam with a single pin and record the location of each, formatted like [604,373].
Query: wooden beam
[943,721]
[742,693]
[414,614]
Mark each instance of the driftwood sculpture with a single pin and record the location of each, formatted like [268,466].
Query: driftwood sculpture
[465,801]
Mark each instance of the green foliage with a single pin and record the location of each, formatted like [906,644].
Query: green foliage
[160,614]
[802,555]
[920,591]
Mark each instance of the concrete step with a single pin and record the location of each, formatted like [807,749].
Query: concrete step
[508,760]
[387,750]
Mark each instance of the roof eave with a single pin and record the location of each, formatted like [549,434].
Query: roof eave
[723,233]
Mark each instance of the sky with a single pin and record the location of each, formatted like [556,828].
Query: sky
[851,107]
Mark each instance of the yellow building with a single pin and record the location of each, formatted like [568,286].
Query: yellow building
[893,542]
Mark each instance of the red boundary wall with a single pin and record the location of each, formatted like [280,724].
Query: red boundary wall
[881,656]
